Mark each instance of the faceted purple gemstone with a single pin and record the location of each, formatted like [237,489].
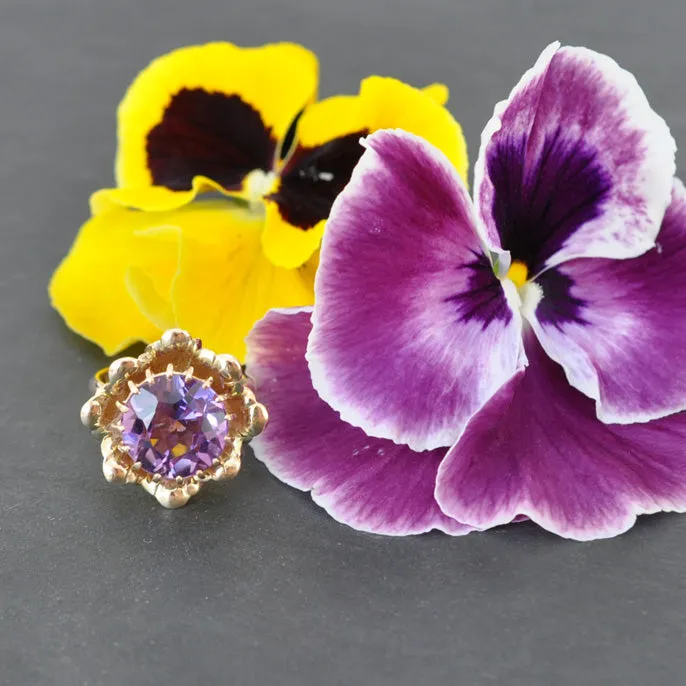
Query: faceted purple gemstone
[174,426]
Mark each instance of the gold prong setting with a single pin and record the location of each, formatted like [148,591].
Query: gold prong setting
[176,353]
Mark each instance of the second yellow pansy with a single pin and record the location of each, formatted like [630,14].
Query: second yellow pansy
[241,122]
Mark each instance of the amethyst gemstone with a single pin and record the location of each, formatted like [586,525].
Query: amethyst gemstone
[174,426]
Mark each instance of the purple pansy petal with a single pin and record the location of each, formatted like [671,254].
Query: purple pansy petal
[618,327]
[538,449]
[483,187]
[370,484]
[574,164]
[412,332]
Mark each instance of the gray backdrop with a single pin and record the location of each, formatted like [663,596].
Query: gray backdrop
[252,583]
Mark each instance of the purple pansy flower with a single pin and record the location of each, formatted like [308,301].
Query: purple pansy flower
[539,331]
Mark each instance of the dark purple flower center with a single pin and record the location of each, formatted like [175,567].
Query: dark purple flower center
[174,426]
[485,300]
[540,203]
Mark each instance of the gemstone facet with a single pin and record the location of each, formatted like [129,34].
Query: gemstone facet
[174,426]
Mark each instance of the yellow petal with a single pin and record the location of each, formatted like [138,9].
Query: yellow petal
[89,288]
[150,281]
[328,119]
[438,92]
[391,104]
[286,245]
[225,283]
[150,198]
[211,107]
[328,148]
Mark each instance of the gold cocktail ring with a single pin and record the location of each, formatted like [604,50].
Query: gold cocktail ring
[173,418]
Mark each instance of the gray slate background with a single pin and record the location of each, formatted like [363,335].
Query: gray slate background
[253,584]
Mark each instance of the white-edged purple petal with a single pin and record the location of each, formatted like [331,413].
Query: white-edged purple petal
[618,327]
[538,449]
[574,164]
[412,332]
[370,484]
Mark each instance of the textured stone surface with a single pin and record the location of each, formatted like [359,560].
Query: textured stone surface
[174,426]
[251,583]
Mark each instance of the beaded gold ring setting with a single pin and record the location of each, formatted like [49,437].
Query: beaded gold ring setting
[173,418]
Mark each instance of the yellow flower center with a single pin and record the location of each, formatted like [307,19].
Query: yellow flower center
[518,273]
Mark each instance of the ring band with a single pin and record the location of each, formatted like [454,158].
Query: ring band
[173,418]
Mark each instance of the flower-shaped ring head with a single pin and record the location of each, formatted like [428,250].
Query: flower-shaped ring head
[173,418]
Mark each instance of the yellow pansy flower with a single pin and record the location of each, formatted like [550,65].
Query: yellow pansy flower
[226,171]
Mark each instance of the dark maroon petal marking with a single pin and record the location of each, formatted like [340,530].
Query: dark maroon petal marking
[558,305]
[208,134]
[314,177]
[485,300]
[539,204]
[289,138]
